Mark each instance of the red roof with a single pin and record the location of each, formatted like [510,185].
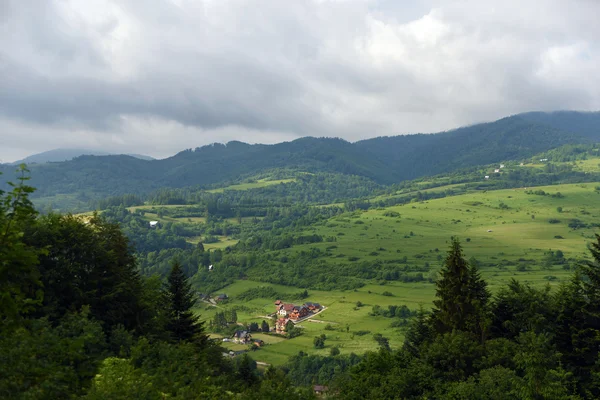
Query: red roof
[288,307]
[278,302]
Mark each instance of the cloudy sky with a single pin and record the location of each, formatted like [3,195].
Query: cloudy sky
[159,76]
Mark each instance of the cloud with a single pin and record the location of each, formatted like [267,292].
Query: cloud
[157,76]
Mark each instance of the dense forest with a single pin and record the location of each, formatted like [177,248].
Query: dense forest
[78,320]
[384,160]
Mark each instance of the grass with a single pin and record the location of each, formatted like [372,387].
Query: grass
[499,237]
[252,185]
[341,314]
[502,238]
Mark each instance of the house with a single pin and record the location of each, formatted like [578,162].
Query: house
[278,303]
[221,297]
[258,342]
[280,325]
[299,312]
[242,337]
[285,310]
[496,170]
[487,177]
[320,389]
[501,165]
[313,306]
[153,224]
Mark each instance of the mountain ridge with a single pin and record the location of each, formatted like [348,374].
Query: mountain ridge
[384,160]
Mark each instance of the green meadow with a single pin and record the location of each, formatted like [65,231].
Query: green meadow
[346,326]
[510,233]
[260,183]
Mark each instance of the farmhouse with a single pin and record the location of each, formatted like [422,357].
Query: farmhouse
[221,297]
[299,312]
[313,306]
[242,337]
[280,325]
[285,309]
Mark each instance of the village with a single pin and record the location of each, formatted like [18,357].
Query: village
[286,315]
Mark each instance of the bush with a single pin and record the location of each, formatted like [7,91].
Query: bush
[386,293]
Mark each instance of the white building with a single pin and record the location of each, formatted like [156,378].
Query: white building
[153,224]
[487,177]
[497,171]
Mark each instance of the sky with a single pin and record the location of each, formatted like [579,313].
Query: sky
[158,76]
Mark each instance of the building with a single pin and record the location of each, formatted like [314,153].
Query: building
[299,312]
[242,337]
[496,170]
[280,325]
[153,224]
[285,310]
[221,297]
[320,389]
[487,177]
[258,342]
[313,306]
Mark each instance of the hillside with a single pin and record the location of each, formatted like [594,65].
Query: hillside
[384,160]
[60,155]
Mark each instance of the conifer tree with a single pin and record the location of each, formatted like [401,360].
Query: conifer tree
[181,323]
[462,295]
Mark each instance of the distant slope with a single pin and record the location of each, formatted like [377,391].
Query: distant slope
[59,155]
[384,160]
[582,123]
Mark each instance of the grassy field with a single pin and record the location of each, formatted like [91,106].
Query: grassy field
[504,229]
[341,315]
[252,185]
[508,231]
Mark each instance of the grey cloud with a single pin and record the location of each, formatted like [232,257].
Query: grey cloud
[95,72]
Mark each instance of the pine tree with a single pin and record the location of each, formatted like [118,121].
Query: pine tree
[418,333]
[182,324]
[264,326]
[462,295]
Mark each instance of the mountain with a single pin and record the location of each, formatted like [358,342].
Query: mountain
[583,123]
[384,160]
[59,155]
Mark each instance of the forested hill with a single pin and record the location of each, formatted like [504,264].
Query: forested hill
[384,160]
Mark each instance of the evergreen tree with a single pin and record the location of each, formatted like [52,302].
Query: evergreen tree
[462,295]
[418,333]
[182,324]
[264,326]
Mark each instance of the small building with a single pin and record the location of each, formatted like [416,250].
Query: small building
[153,224]
[280,325]
[258,342]
[520,165]
[487,177]
[496,170]
[320,390]
[285,310]
[221,297]
[278,303]
[242,337]
[501,165]
[313,306]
